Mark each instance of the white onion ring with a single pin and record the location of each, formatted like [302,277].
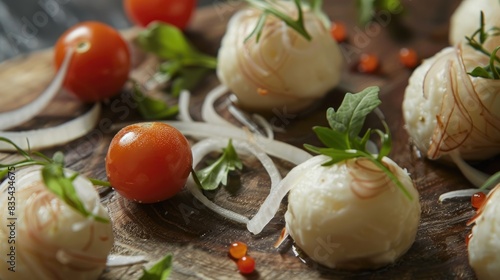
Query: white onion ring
[52,136]
[184,98]
[272,203]
[208,112]
[202,148]
[476,177]
[459,194]
[29,111]
[268,128]
[120,260]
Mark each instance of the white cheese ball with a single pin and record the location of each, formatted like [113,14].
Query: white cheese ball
[283,71]
[351,215]
[465,20]
[50,239]
[484,246]
[445,109]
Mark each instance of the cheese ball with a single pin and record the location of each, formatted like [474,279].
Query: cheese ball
[350,215]
[484,246]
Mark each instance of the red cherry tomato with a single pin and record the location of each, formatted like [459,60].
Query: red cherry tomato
[175,12]
[148,162]
[100,64]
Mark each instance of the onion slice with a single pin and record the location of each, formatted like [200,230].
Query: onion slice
[272,203]
[52,136]
[29,111]
[202,148]
[476,177]
[208,112]
[120,260]
[459,194]
[184,98]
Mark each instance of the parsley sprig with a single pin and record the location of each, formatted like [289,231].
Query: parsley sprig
[342,138]
[54,177]
[476,41]
[268,8]
[210,177]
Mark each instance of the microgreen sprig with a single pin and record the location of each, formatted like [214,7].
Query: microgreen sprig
[268,9]
[210,177]
[342,138]
[368,8]
[54,177]
[476,41]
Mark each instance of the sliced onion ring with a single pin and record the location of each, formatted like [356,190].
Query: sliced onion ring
[52,136]
[476,177]
[120,260]
[459,194]
[202,148]
[29,111]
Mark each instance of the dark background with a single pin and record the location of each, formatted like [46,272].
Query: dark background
[27,25]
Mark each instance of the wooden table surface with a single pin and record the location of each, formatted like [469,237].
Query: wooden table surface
[197,238]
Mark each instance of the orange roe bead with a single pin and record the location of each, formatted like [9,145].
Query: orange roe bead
[478,199]
[246,265]
[238,250]
[408,57]
[467,238]
[368,63]
[338,31]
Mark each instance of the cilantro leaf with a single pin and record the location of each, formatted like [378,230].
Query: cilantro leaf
[215,174]
[342,139]
[160,271]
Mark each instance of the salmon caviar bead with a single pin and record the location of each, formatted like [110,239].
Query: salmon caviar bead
[238,250]
[368,63]
[246,265]
[478,199]
[408,57]
[338,31]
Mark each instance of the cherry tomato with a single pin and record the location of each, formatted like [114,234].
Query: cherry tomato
[100,64]
[148,162]
[175,12]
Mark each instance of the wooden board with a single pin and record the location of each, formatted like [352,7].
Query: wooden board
[198,238]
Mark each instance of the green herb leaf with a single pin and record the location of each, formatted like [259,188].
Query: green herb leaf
[152,109]
[352,113]
[53,177]
[491,182]
[269,9]
[168,42]
[481,72]
[368,8]
[215,174]
[343,141]
[476,41]
[160,271]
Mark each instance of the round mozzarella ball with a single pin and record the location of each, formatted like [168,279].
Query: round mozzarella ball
[465,20]
[51,239]
[350,215]
[283,70]
[484,246]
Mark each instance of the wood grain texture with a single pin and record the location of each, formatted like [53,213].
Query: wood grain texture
[198,238]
